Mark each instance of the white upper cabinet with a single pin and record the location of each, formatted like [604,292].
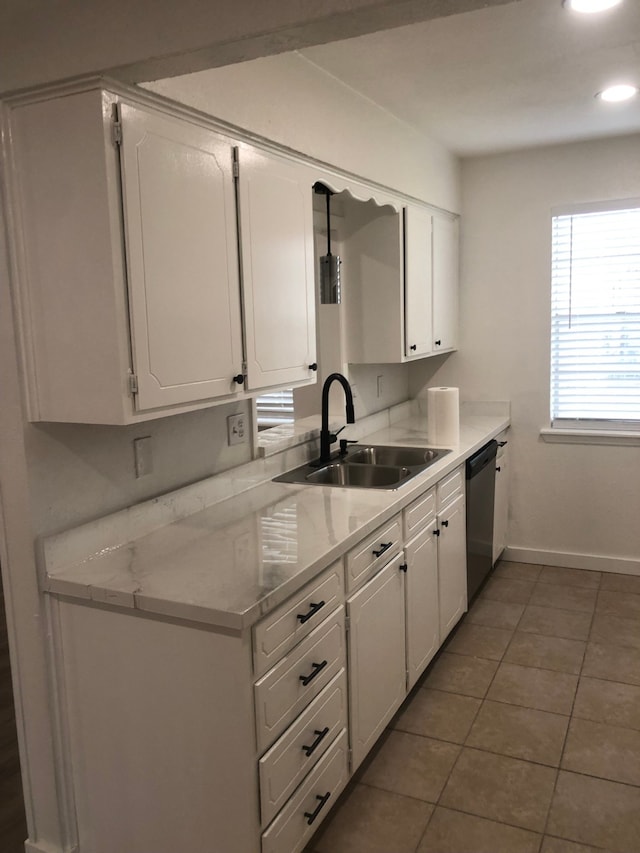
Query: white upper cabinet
[184,289]
[128,282]
[445,282]
[128,278]
[418,311]
[399,280]
[276,227]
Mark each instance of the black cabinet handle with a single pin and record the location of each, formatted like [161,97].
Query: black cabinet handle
[444,523]
[413,347]
[239,379]
[403,567]
[498,468]
[437,343]
[321,733]
[311,816]
[384,546]
[313,609]
[313,366]
[436,533]
[502,443]
[317,667]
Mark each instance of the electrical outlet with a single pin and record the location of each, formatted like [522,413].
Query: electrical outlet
[380,385]
[142,456]
[236,429]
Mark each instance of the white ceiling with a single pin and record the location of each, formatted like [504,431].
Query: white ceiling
[499,78]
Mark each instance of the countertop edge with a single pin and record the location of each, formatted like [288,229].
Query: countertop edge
[206,615]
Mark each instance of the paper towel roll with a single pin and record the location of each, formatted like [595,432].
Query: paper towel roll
[443,415]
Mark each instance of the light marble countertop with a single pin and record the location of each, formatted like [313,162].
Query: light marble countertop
[230,563]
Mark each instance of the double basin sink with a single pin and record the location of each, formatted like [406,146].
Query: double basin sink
[366,467]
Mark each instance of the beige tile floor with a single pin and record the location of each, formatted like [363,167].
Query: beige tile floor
[522,737]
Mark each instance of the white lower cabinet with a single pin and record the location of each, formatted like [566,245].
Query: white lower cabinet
[422,608]
[452,564]
[250,736]
[376,646]
[299,749]
[298,678]
[302,815]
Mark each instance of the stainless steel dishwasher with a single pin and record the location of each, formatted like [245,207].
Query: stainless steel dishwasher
[481,483]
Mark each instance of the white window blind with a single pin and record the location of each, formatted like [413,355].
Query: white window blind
[275,408]
[595,319]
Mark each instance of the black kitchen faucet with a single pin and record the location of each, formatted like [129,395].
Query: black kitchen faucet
[326,436]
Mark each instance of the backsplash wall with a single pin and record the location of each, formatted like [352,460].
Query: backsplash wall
[79,472]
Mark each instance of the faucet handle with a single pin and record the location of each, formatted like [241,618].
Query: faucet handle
[343,444]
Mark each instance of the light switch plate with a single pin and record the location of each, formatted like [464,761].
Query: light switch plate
[236,429]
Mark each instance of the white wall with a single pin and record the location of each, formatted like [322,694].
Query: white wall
[78,472]
[564,498]
[290,100]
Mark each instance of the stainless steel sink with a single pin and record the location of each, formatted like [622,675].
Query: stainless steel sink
[362,476]
[367,467]
[407,456]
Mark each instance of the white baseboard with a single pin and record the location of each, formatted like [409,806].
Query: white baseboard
[569,560]
[45,847]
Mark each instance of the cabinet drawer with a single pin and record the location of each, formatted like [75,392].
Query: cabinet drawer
[298,678]
[300,748]
[291,830]
[419,512]
[373,552]
[450,487]
[276,635]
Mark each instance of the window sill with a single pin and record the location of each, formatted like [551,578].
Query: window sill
[590,436]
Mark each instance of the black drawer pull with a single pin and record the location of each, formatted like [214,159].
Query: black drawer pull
[438,343]
[502,443]
[311,816]
[313,366]
[413,347]
[317,667]
[436,533]
[239,378]
[444,523]
[309,750]
[498,468]
[313,609]
[404,567]
[384,546]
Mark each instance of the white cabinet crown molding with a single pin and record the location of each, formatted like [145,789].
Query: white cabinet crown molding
[364,188]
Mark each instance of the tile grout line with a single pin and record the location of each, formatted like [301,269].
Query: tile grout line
[566,735]
[463,744]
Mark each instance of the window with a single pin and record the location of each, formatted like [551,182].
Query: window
[275,408]
[595,317]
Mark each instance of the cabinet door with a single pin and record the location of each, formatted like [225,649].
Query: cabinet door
[501,503]
[418,318]
[276,223]
[445,283]
[421,587]
[452,565]
[181,240]
[376,645]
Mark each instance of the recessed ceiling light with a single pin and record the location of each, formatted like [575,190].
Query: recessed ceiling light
[621,92]
[590,6]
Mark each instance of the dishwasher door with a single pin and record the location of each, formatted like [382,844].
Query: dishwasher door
[480,473]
